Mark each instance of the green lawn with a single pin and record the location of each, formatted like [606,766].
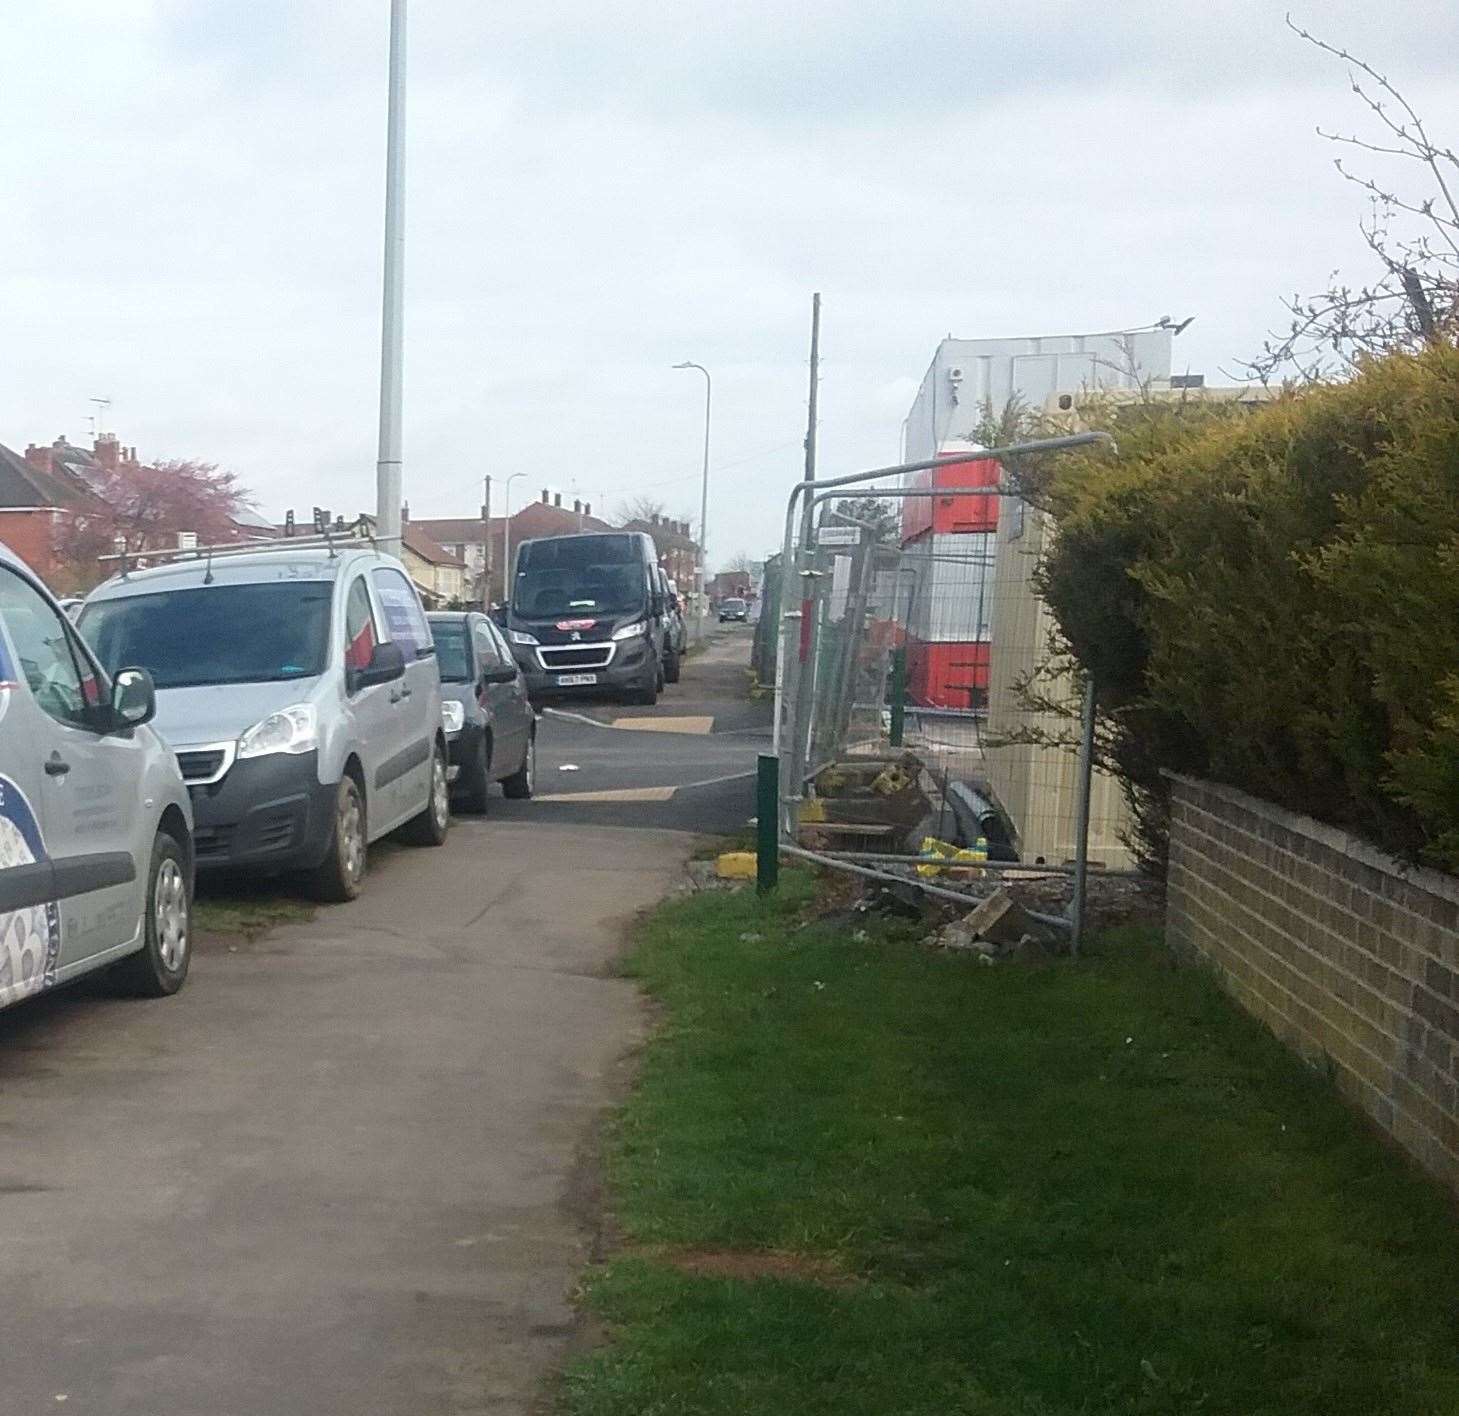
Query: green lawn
[1079,1189]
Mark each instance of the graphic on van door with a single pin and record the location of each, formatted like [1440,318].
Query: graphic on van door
[8,681]
[30,938]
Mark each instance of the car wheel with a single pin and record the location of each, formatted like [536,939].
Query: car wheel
[474,783]
[160,967]
[647,697]
[430,827]
[520,785]
[339,876]
[671,667]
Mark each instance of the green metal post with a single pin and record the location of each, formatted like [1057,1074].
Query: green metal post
[899,692]
[767,823]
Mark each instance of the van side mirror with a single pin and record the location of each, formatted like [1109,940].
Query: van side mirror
[387,663]
[133,699]
[507,673]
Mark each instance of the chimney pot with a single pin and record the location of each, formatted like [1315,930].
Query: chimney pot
[577,506]
[546,496]
[557,499]
[587,508]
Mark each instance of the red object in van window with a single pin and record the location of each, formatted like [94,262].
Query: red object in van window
[361,648]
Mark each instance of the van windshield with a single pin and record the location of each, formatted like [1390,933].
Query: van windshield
[215,634]
[575,575]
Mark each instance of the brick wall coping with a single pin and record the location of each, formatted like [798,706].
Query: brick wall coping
[1435,882]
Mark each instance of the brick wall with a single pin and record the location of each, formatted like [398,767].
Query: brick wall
[1346,954]
[30,534]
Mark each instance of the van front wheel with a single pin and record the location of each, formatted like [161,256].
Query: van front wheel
[339,876]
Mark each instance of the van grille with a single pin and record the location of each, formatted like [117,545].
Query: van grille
[578,656]
[203,764]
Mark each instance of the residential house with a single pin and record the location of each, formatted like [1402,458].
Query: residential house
[40,495]
[730,584]
[439,574]
[467,537]
[678,551]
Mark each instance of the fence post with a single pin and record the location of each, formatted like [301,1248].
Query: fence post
[767,823]
[1081,826]
[899,693]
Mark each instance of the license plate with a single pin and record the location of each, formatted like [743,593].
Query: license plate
[575,680]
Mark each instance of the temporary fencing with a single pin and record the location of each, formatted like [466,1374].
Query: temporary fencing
[922,705]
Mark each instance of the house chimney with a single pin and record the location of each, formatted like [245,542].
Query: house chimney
[38,457]
[587,508]
[577,506]
[107,449]
[405,513]
[546,496]
[557,499]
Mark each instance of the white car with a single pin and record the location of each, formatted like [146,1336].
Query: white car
[96,845]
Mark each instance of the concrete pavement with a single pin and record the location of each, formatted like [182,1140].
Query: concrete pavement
[341,1173]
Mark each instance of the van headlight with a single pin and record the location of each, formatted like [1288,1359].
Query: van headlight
[520,636]
[631,631]
[453,715]
[292,730]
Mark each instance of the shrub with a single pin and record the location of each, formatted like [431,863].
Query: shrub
[1269,598]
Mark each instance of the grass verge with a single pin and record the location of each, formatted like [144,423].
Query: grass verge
[244,913]
[1079,1189]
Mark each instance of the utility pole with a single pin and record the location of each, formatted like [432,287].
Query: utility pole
[796,741]
[810,437]
[486,542]
[388,467]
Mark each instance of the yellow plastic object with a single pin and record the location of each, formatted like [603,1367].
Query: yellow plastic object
[812,810]
[735,865]
[951,856]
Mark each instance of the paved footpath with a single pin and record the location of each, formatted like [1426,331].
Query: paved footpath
[341,1174]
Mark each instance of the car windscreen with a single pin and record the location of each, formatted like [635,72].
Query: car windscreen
[574,575]
[215,634]
[734,604]
[452,654]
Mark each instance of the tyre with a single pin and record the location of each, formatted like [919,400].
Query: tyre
[520,784]
[474,784]
[660,677]
[646,697]
[671,667]
[430,827]
[340,874]
[161,966]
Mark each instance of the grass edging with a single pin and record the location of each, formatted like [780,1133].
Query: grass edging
[1092,1187]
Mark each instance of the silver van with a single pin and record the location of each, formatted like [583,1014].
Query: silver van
[297,683]
[96,853]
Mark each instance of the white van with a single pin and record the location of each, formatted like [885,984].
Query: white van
[297,683]
[96,852]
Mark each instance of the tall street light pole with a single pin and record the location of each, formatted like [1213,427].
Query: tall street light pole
[507,539]
[388,488]
[703,490]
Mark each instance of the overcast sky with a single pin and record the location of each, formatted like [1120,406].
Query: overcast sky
[194,199]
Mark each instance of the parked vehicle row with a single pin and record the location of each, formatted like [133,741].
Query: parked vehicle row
[263,709]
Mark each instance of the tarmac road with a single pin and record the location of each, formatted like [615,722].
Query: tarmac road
[348,1170]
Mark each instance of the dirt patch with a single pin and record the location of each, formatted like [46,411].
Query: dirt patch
[748,1265]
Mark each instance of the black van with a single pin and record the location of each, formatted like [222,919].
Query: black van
[586,616]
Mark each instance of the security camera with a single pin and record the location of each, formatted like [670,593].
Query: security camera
[955,375]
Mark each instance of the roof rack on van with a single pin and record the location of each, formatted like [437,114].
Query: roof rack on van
[354,533]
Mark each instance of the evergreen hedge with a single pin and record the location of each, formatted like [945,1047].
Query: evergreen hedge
[1271,598]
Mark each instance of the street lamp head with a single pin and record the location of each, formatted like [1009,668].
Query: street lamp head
[685,365]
